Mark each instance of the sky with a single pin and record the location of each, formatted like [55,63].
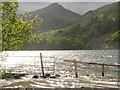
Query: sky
[77,7]
[68,0]
[62,0]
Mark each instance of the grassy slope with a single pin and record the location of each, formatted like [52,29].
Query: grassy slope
[90,32]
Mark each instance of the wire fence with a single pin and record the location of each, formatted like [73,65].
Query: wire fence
[33,67]
[51,65]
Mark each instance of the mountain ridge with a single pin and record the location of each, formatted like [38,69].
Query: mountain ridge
[100,24]
[55,16]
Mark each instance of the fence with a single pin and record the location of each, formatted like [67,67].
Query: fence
[41,67]
[101,64]
[38,66]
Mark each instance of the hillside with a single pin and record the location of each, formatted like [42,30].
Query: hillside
[55,16]
[95,30]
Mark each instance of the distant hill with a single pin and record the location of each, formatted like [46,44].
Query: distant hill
[55,16]
[96,29]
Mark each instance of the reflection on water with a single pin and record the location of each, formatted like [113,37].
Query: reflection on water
[89,75]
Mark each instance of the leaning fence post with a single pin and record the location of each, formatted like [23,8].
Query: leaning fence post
[75,65]
[41,64]
[103,70]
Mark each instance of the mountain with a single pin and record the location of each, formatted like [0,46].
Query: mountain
[96,29]
[55,16]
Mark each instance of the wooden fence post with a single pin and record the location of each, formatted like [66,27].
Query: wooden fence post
[41,64]
[101,64]
[54,66]
[103,70]
[75,65]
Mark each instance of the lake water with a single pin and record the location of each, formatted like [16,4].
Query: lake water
[88,75]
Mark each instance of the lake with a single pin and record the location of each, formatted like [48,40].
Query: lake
[53,61]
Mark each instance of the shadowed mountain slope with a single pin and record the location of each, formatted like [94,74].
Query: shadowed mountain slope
[55,16]
[96,29]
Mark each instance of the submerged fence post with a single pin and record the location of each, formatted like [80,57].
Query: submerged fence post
[54,66]
[103,70]
[75,65]
[42,64]
[101,64]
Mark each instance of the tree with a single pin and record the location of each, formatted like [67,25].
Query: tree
[15,29]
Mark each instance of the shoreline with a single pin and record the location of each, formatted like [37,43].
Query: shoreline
[68,82]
